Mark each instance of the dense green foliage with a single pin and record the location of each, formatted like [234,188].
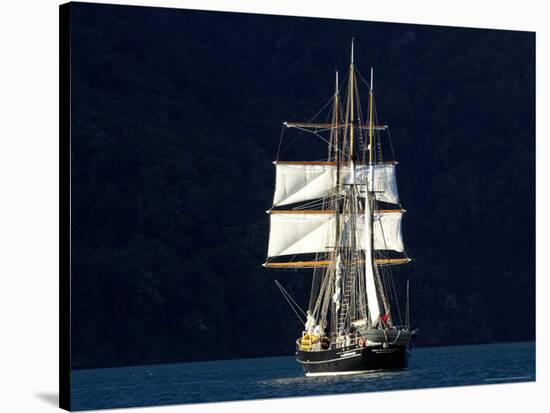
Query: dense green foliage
[176,118]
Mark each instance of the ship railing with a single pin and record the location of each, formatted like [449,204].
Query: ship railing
[335,342]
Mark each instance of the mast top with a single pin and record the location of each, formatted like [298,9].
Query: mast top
[352,39]
[371,79]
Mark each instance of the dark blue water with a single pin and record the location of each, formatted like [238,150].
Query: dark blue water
[282,377]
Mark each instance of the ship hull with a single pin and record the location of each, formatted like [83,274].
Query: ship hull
[352,359]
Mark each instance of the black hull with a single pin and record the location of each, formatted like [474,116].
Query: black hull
[353,359]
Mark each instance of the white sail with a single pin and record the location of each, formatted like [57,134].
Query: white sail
[302,182]
[292,234]
[387,231]
[299,182]
[384,185]
[303,233]
[370,286]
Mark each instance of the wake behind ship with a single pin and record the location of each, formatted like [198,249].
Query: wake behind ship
[341,217]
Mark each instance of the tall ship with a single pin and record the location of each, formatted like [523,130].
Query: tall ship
[341,218]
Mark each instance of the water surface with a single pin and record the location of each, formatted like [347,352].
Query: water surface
[247,379]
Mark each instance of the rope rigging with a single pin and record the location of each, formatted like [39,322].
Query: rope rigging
[290,301]
[341,295]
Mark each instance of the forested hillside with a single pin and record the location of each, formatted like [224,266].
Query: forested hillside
[176,118]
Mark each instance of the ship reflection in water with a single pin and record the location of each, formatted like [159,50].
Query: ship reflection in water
[261,378]
[353,383]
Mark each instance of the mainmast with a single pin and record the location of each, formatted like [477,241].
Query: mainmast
[350,209]
[336,297]
[336,149]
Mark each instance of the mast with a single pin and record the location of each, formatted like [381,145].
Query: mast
[408,308]
[336,299]
[371,160]
[371,277]
[351,280]
[372,198]
[337,153]
[344,258]
[352,112]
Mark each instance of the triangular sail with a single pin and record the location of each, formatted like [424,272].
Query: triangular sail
[370,284]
